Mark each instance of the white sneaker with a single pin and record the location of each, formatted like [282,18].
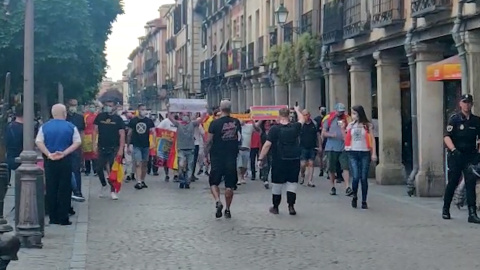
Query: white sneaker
[103,192]
[114,196]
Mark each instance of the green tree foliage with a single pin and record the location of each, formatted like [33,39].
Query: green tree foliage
[287,71]
[307,53]
[273,54]
[70,37]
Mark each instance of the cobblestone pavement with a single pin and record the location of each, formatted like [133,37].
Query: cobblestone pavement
[162,228]
[64,247]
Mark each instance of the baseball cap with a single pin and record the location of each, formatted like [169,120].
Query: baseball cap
[340,107]
[467,98]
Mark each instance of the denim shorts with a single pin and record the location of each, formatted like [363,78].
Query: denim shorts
[140,154]
[243,159]
[308,154]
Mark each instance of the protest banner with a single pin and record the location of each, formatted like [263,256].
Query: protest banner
[241,116]
[166,148]
[187,105]
[265,112]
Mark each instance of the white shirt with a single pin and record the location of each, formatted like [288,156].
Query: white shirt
[76,136]
[168,125]
[198,134]
[247,131]
[359,134]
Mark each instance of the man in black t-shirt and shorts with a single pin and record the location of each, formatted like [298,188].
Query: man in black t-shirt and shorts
[139,137]
[222,143]
[110,129]
[283,141]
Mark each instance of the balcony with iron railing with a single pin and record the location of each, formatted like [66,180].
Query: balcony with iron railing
[332,21]
[251,55]
[213,66]
[260,57]
[387,13]
[151,62]
[421,8]
[223,63]
[355,23]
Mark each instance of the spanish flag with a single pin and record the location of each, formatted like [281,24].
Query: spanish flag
[116,174]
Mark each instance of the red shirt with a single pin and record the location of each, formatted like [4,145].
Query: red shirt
[256,142]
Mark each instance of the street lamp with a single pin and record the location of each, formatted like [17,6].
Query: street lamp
[282,14]
[29,228]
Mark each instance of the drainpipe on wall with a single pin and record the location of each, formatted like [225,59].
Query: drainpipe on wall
[413,101]
[323,64]
[460,44]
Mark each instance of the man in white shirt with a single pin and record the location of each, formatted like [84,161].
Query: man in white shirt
[244,150]
[168,125]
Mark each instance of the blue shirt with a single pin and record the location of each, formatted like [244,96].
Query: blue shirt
[337,143]
[58,135]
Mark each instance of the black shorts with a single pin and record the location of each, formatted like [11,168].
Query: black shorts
[226,169]
[285,171]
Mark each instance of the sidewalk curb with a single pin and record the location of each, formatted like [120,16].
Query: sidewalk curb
[78,260]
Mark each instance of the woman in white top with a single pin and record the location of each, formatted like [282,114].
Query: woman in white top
[360,146]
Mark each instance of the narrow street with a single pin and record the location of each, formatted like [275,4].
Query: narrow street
[163,227]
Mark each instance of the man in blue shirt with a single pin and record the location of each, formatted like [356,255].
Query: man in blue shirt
[57,139]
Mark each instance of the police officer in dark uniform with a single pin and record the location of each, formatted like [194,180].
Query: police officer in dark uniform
[460,138]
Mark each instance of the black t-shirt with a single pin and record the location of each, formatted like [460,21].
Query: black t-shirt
[140,131]
[225,132]
[318,121]
[285,141]
[14,139]
[77,120]
[308,136]
[109,126]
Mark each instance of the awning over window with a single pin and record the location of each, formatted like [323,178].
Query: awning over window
[448,69]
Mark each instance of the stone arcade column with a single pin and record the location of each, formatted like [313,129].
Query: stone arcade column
[313,92]
[280,91]
[296,93]
[257,95]
[390,170]
[266,92]
[241,98]
[338,85]
[430,180]
[361,84]
[234,97]
[248,94]
[472,45]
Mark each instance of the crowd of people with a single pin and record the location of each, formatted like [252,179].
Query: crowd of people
[284,152]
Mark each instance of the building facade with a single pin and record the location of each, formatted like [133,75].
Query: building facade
[148,66]
[183,49]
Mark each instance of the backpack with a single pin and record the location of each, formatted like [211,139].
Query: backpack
[288,143]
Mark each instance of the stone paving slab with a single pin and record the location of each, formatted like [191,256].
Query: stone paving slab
[162,228]
[64,247]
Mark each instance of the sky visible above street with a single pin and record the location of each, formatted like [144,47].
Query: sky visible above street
[126,30]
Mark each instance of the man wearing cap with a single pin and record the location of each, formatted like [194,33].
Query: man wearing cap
[460,138]
[335,146]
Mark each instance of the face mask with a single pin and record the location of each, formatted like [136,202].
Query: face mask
[91,109]
[107,109]
[185,118]
[72,109]
[143,113]
[355,117]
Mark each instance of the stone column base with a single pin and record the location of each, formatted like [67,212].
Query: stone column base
[430,184]
[390,174]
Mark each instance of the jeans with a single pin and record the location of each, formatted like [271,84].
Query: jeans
[359,166]
[253,157]
[265,170]
[76,167]
[89,164]
[185,163]
[106,155]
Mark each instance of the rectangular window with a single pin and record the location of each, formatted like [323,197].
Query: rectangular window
[288,32]
[307,22]
[353,12]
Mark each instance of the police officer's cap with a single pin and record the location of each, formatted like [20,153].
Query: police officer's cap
[467,98]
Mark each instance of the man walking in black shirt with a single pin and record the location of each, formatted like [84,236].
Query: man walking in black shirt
[110,129]
[309,141]
[282,140]
[14,140]
[139,137]
[222,144]
[79,122]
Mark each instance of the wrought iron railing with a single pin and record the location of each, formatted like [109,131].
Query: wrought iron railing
[332,21]
[387,13]
[354,24]
[420,8]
